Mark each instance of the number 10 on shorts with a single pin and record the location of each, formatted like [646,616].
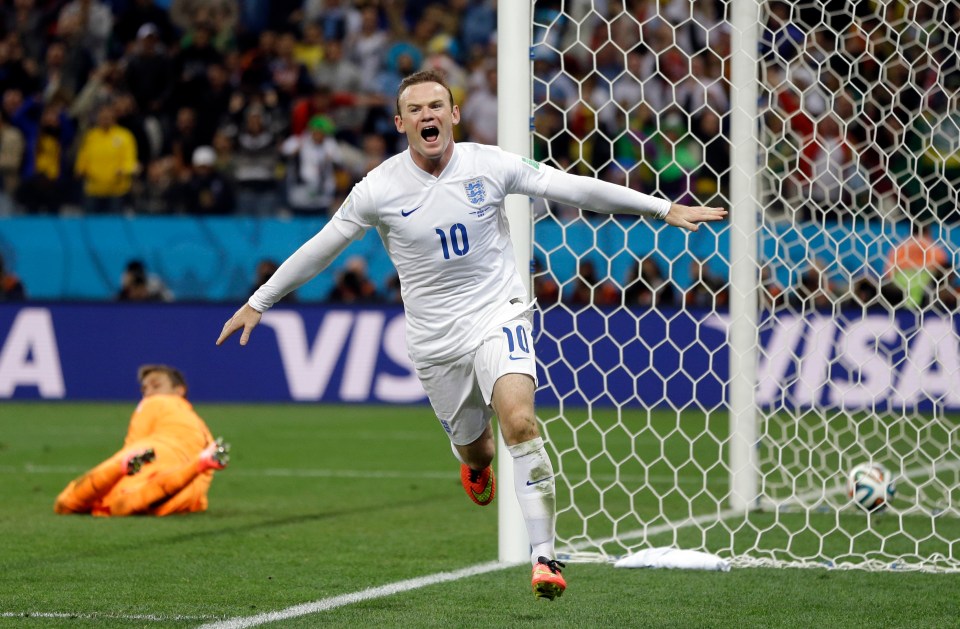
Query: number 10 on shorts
[518,340]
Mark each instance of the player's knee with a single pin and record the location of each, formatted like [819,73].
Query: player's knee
[519,425]
[62,507]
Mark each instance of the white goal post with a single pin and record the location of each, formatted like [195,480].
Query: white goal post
[713,390]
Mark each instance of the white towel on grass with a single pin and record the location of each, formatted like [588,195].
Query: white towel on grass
[673,558]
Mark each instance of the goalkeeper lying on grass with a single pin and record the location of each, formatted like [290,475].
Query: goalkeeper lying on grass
[167,461]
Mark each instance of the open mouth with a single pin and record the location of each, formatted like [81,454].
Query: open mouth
[430,133]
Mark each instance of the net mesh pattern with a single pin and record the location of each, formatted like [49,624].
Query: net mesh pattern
[858,169]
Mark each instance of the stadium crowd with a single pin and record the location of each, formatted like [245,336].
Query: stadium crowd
[220,107]
[256,108]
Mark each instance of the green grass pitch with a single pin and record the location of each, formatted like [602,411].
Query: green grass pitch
[322,501]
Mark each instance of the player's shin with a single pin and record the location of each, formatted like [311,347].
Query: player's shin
[536,491]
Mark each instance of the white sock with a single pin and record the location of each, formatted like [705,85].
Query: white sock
[536,491]
[456,453]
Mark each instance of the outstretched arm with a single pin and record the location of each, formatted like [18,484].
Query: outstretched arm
[306,262]
[608,198]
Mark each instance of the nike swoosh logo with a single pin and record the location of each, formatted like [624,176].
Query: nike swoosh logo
[534,482]
[409,212]
[518,357]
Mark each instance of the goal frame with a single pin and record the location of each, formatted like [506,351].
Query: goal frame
[514,134]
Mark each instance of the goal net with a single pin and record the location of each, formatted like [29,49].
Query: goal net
[830,292]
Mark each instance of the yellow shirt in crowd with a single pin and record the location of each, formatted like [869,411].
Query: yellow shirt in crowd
[107,161]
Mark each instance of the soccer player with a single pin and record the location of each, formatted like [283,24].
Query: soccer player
[166,463]
[438,208]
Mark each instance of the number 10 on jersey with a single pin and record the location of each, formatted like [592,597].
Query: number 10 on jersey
[458,241]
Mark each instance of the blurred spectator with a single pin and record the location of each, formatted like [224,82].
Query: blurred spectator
[864,293]
[712,177]
[64,70]
[138,13]
[353,285]
[206,191]
[223,145]
[16,70]
[149,71]
[101,88]
[319,101]
[24,19]
[358,162]
[367,46]
[588,289]
[337,18]
[917,266]
[219,18]
[106,163]
[256,166]
[674,155]
[545,288]
[647,287]
[478,23]
[130,118]
[264,271]
[827,170]
[707,290]
[11,288]
[211,105]
[86,24]
[312,157]
[401,58]
[136,284]
[48,134]
[629,151]
[479,114]
[342,77]
[255,62]
[814,291]
[184,138]
[781,38]
[308,51]
[11,161]
[190,64]
[288,76]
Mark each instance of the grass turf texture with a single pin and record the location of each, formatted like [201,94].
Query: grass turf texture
[321,501]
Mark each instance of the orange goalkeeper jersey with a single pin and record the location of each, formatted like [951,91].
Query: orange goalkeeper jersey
[171,483]
[169,420]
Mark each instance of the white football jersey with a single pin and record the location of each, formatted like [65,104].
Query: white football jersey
[449,240]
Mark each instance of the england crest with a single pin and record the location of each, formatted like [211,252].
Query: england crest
[476,193]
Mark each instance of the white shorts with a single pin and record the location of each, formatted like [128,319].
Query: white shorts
[460,391]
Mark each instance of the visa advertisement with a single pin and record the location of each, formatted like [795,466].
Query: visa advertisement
[652,358]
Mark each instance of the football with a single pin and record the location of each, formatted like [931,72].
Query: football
[870,486]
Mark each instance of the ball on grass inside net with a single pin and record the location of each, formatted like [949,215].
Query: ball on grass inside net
[871,486]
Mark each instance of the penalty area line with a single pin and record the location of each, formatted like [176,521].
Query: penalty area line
[369,594]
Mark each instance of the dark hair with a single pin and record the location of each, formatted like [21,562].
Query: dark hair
[424,76]
[175,375]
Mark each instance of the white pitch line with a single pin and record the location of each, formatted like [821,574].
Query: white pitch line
[89,616]
[333,602]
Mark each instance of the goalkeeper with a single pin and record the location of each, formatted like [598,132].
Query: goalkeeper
[438,208]
[166,463]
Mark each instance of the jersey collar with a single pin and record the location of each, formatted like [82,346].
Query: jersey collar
[425,177]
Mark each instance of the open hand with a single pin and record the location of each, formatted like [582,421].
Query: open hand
[690,217]
[246,318]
